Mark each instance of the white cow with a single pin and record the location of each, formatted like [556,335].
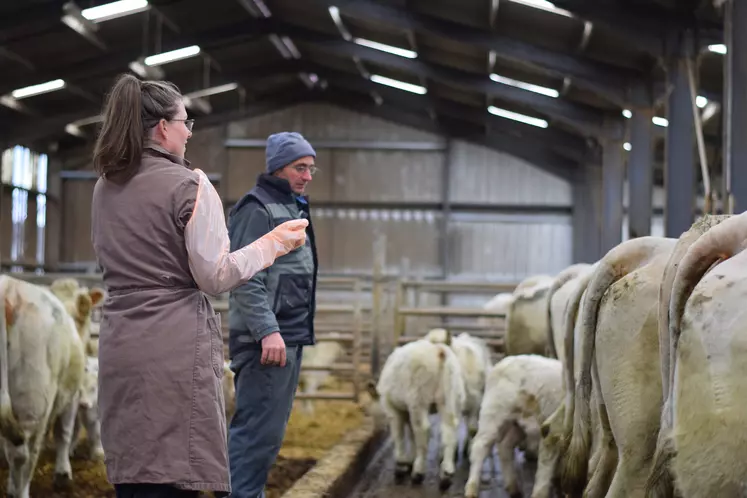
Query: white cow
[416,376]
[475,362]
[500,303]
[522,391]
[321,355]
[556,307]
[565,331]
[527,324]
[42,364]
[620,345]
[703,423]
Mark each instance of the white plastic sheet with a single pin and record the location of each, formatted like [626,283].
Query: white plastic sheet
[216,269]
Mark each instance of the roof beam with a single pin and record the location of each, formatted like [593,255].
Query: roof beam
[117,62]
[34,130]
[565,144]
[604,80]
[646,29]
[585,119]
[528,150]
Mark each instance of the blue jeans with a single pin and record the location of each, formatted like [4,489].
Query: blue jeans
[264,398]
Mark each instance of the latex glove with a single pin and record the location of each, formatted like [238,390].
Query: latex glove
[282,239]
[214,268]
[273,350]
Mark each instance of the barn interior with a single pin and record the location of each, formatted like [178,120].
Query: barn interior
[463,147]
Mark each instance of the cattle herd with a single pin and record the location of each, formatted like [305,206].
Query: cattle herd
[621,378]
[624,378]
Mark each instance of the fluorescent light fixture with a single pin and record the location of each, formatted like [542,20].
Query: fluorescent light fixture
[718,48]
[545,5]
[11,103]
[291,47]
[146,72]
[334,12]
[660,121]
[515,116]
[525,86]
[402,52]
[627,113]
[701,101]
[383,80]
[627,146]
[212,90]
[28,91]
[74,130]
[115,9]
[174,55]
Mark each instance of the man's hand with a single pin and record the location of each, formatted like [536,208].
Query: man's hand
[273,350]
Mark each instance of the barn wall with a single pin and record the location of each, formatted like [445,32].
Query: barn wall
[362,191]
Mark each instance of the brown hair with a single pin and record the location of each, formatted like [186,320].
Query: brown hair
[132,108]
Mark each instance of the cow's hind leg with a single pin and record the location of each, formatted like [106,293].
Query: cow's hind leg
[18,461]
[63,435]
[421,430]
[402,457]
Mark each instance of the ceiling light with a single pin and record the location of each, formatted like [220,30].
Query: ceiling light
[718,48]
[701,101]
[174,55]
[627,113]
[627,146]
[660,121]
[525,86]
[544,5]
[212,90]
[334,12]
[115,9]
[28,91]
[515,116]
[402,52]
[383,80]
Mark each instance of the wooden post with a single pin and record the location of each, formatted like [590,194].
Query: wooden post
[357,329]
[399,319]
[379,252]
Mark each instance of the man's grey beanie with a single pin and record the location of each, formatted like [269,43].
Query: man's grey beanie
[284,148]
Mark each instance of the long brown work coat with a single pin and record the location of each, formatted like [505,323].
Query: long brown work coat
[160,346]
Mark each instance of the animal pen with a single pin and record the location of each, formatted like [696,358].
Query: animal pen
[371,314]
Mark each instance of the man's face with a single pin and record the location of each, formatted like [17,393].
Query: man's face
[298,173]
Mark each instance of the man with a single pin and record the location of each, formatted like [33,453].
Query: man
[271,316]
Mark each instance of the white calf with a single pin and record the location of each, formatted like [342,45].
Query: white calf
[414,377]
[475,363]
[42,363]
[323,354]
[522,392]
[88,412]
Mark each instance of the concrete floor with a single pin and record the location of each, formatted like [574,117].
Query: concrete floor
[378,479]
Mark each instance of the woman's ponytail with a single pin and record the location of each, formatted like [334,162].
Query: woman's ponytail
[119,145]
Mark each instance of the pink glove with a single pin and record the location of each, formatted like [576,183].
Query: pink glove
[284,238]
[217,270]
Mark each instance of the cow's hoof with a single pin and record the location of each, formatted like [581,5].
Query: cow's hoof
[63,482]
[516,494]
[417,479]
[401,471]
[445,482]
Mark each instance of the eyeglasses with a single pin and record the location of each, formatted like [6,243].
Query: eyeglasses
[300,168]
[189,123]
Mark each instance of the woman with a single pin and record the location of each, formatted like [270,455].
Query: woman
[160,236]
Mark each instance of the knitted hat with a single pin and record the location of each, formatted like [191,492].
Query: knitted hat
[284,148]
